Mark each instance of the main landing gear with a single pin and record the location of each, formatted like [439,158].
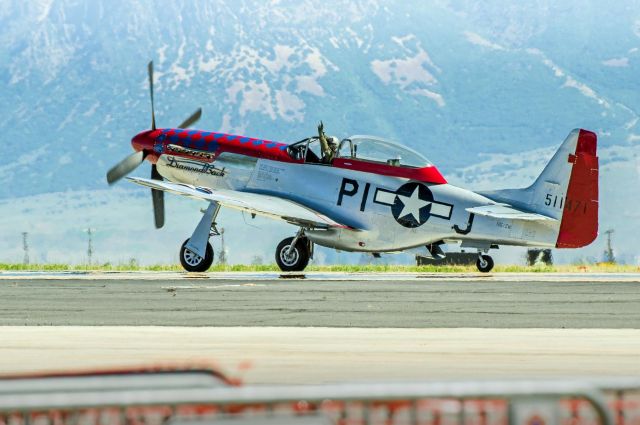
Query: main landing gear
[293,254]
[192,262]
[196,253]
[484,263]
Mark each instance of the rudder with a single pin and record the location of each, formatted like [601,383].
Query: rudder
[567,190]
[579,225]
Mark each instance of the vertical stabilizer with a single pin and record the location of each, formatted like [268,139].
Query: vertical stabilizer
[567,190]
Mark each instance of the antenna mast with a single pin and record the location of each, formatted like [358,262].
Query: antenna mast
[609,257]
[90,244]
[222,259]
[25,247]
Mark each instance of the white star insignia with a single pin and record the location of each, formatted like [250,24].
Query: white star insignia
[412,204]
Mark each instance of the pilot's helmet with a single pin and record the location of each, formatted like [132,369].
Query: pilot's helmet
[332,141]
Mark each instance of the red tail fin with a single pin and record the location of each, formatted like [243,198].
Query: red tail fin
[579,225]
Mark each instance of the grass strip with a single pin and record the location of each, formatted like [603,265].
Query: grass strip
[345,268]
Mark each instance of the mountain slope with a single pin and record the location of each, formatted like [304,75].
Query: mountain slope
[475,86]
[453,79]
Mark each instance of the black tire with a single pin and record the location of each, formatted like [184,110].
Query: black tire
[299,257]
[484,263]
[194,263]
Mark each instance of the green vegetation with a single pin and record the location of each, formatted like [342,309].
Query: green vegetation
[134,266]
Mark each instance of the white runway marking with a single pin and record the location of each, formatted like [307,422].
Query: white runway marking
[239,285]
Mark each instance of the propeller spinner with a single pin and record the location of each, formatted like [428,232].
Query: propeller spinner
[144,146]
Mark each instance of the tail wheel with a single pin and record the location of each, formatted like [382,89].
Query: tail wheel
[484,263]
[297,260]
[192,262]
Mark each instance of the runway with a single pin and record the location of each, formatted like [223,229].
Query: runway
[325,327]
[322,300]
[318,355]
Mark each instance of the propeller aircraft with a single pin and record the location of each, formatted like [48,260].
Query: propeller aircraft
[371,195]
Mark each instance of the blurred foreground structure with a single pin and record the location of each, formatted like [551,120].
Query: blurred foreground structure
[201,396]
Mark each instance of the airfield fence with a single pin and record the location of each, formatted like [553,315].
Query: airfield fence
[192,399]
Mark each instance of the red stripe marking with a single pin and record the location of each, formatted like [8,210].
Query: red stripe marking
[424,174]
[177,368]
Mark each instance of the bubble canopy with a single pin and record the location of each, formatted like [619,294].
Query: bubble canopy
[371,148]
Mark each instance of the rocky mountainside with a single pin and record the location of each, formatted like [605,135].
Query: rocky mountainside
[460,81]
[452,79]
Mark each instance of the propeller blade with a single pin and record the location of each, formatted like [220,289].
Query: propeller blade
[153,113]
[157,196]
[125,166]
[192,119]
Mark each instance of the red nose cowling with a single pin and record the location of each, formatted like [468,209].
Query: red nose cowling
[143,141]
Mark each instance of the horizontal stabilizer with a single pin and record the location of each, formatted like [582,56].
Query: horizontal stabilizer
[507,212]
[254,203]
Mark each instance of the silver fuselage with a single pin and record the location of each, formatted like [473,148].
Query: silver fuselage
[362,201]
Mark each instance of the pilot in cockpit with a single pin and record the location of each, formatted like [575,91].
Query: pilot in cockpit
[329,145]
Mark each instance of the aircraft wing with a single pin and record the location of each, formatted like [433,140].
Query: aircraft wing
[508,212]
[254,203]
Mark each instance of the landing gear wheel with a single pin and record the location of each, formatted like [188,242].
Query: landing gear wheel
[192,262]
[484,263]
[297,260]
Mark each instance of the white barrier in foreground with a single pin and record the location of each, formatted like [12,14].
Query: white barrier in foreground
[188,396]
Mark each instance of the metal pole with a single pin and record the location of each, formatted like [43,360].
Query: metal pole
[90,245]
[25,247]
[223,255]
[609,257]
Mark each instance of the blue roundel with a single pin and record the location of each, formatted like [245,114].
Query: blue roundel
[412,204]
